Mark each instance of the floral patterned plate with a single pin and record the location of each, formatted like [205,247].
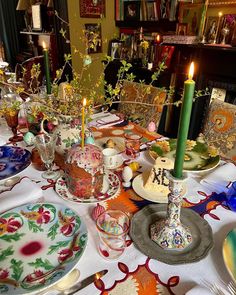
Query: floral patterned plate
[111,188]
[198,156]
[13,160]
[229,253]
[39,244]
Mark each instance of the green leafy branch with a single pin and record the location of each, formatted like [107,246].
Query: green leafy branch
[5,253]
[46,264]
[57,246]
[9,238]
[17,269]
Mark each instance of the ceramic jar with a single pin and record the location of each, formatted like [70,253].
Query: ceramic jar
[68,132]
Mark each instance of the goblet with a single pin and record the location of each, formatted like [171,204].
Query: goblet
[45,144]
[12,121]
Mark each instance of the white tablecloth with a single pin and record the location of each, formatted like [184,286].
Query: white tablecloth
[211,268]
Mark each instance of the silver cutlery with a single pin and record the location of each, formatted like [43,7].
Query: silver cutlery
[214,288]
[72,289]
[232,288]
[84,283]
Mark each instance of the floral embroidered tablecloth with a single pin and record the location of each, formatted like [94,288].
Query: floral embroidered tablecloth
[134,273]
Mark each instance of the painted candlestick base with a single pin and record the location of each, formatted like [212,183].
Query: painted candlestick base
[170,233]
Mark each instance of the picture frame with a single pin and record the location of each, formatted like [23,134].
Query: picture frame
[211,28]
[229,22]
[132,10]
[92,8]
[191,13]
[181,29]
[36,17]
[93,35]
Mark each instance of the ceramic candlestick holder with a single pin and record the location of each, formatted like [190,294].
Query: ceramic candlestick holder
[170,233]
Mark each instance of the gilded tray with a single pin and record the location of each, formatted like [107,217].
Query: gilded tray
[200,229]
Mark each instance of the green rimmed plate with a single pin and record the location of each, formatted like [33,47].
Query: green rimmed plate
[39,244]
[229,253]
[198,156]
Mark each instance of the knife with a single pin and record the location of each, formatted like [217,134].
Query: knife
[84,283]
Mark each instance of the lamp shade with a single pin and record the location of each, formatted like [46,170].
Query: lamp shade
[50,3]
[23,5]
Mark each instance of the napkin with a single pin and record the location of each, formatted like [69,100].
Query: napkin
[199,290]
[218,180]
[26,191]
[104,119]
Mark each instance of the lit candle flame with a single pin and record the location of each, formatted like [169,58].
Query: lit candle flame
[44,45]
[191,71]
[84,102]
[158,38]
[220,14]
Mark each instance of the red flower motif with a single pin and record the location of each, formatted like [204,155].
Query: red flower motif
[67,229]
[11,225]
[44,216]
[65,254]
[3,273]
[36,274]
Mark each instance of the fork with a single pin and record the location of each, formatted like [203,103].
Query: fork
[232,288]
[214,288]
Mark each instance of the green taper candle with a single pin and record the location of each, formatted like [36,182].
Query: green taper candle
[47,68]
[185,114]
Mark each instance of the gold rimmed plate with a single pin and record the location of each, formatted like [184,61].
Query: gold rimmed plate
[198,156]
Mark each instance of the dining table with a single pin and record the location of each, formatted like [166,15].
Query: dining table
[135,272]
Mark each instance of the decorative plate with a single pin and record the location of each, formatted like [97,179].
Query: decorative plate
[229,253]
[200,229]
[111,188]
[156,197]
[13,160]
[198,156]
[40,243]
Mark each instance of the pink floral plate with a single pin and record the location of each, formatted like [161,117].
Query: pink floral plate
[111,188]
[39,244]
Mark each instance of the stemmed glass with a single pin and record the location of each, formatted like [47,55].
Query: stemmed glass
[12,121]
[45,144]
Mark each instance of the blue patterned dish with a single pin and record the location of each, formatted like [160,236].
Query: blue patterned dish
[13,160]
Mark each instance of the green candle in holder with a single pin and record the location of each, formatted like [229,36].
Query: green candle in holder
[47,68]
[189,86]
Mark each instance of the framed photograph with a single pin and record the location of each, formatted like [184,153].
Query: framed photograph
[228,23]
[94,38]
[92,8]
[36,18]
[181,29]
[211,28]
[132,10]
[191,13]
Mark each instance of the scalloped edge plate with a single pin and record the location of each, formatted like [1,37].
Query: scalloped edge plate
[56,224]
[111,188]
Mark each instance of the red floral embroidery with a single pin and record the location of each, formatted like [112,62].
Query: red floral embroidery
[68,226]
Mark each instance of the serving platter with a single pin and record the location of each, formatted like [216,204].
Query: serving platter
[201,232]
[156,197]
[13,160]
[40,244]
[198,156]
[111,188]
[229,253]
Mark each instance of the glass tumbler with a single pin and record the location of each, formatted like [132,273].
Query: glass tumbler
[113,227]
[132,145]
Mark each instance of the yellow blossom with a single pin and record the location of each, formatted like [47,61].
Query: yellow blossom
[144,44]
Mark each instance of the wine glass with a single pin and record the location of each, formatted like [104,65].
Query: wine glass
[45,144]
[11,118]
